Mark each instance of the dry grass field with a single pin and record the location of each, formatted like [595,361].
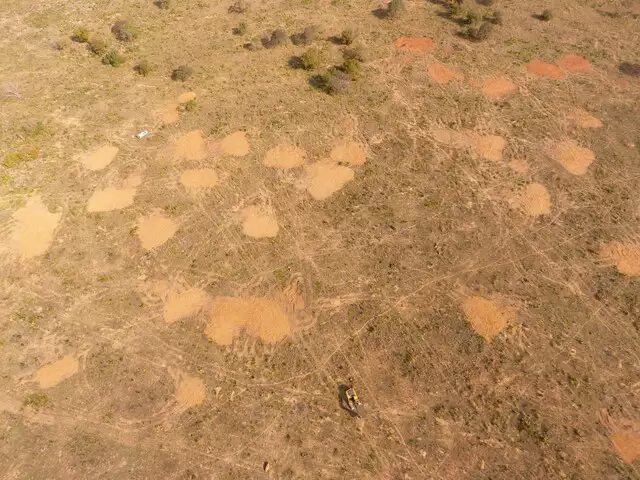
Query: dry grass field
[441,203]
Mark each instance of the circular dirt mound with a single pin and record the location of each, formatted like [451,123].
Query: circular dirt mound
[235,144]
[155,230]
[490,147]
[536,200]
[54,373]
[34,228]
[625,256]
[498,87]
[199,179]
[538,68]
[285,156]
[485,317]
[190,146]
[190,391]
[574,64]
[323,179]
[100,157]
[179,306]
[584,120]
[348,152]
[442,74]
[259,222]
[415,44]
[574,158]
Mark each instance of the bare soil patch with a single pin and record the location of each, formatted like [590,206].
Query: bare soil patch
[415,45]
[538,68]
[574,64]
[259,222]
[441,74]
[34,228]
[348,152]
[498,88]
[519,165]
[325,178]
[235,144]
[56,372]
[583,119]
[285,156]
[155,229]
[186,97]
[185,304]
[199,179]
[100,157]
[536,200]
[190,391]
[627,444]
[190,146]
[486,317]
[490,147]
[624,255]
[574,158]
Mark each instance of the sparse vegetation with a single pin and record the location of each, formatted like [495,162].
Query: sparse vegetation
[347,37]
[253,45]
[239,6]
[311,59]
[58,45]
[182,73]
[396,8]
[278,37]
[478,33]
[37,129]
[124,31]
[306,37]
[36,401]
[546,16]
[241,29]
[334,82]
[80,35]
[163,4]
[113,58]
[144,67]
[97,46]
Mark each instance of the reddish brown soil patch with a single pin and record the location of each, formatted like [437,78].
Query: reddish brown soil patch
[323,179]
[485,317]
[100,157]
[185,304]
[574,64]
[442,74]
[574,158]
[538,68]
[155,230]
[498,87]
[415,45]
[235,144]
[625,256]
[34,228]
[627,444]
[199,179]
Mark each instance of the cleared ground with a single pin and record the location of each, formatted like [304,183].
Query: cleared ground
[459,232]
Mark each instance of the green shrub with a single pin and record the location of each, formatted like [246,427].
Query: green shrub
[239,6]
[15,159]
[493,16]
[478,33]
[36,400]
[144,67]
[241,29]
[113,58]
[311,59]
[352,67]
[190,106]
[278,37]
[123,31]
[347,37]
[97,46]
[182,73]
[334,82]
[80,35]
[355,53]
[306,37]
[546,16]
[396,8]
[163,4]
[472,18]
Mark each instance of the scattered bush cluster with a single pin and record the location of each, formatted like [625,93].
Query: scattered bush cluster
[124,31]
[278,37]
[182,73]
[113,58]
[306,37]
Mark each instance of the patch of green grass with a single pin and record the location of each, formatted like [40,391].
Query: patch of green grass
[15,159]
[5,179]
[36,401]
[38,130]
[280,276]
[144,67]
[80,35]
[352,67]
[113,58]
[190,106]
[311,59]
[29,319]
